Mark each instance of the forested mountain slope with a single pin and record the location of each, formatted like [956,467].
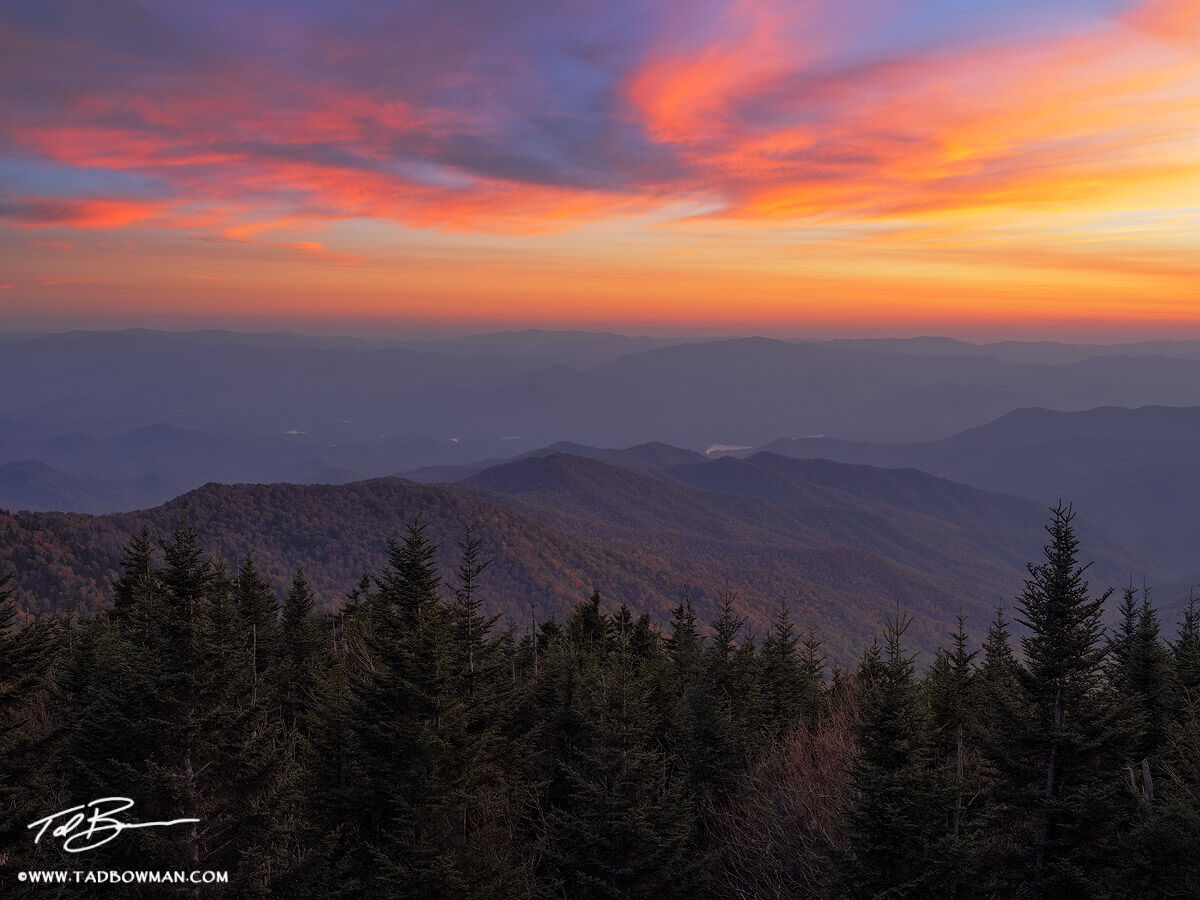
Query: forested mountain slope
[1135,471]
[837,543]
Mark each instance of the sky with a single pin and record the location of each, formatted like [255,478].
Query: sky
[981,168]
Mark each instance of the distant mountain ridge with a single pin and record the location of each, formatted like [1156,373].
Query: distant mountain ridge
[349,408]
[34,484]
[834,541]
[1136,471]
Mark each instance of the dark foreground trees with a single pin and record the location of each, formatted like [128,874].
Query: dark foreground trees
[412,745]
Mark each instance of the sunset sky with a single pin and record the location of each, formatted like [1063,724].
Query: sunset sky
[970,167]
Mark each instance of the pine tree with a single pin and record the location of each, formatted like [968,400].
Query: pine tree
[812,663]
[1163,858]
[684,644]
[179,689]
[302,645]
[999,664]
[1140,672]
[697,722]
[646,641]
[953,704]
[259,613]
[1002,707]
[249,767]
[1064,754]
[621,823]
[398,698]
[752,722]
[791,676]
[703,732]
[110,742]
[896,833]
[481,678]
[1185,652]
[27,660]
[160,708]
[1121,644]
[725,739]
[326,836]
[588,623]
[135,586]
[120,688]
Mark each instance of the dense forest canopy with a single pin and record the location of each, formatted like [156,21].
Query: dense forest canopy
[410,744]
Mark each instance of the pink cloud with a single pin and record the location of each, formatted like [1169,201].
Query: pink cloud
[757,109]
[48,282]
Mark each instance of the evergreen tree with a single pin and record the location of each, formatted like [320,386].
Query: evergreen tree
[258,611]
[481,677]
[588,623]
[472,628]
[220,759]
[791,676]
[27,776]
[621,824]
[999,664]
[704,733]
[326,834]
[645,641]
[1140,672]
[399,758]
[1162,858]
[135,586]
[684,643]
[1002,708]
[896,834]
[161,710]
[952,690]
[697,721]
[1185,652]
[754,726]
[812,662]
[1065,751]
[302,646]
[725,739]
[1122,643]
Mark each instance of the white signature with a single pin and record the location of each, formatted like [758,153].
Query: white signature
[97,818]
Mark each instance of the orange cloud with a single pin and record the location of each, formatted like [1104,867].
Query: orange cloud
[692,148]
[47,282]
[684,94]
[78,212]
[1170,20]
[1096,119]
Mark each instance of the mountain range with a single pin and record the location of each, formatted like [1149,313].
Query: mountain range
[112,421]
[840,544]
[830,475]
[1135,471]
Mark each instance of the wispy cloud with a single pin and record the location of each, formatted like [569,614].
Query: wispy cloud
[307,248]
[535,117]
[77,212]
[47,282]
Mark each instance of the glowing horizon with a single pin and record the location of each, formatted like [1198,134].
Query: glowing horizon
[969,168]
